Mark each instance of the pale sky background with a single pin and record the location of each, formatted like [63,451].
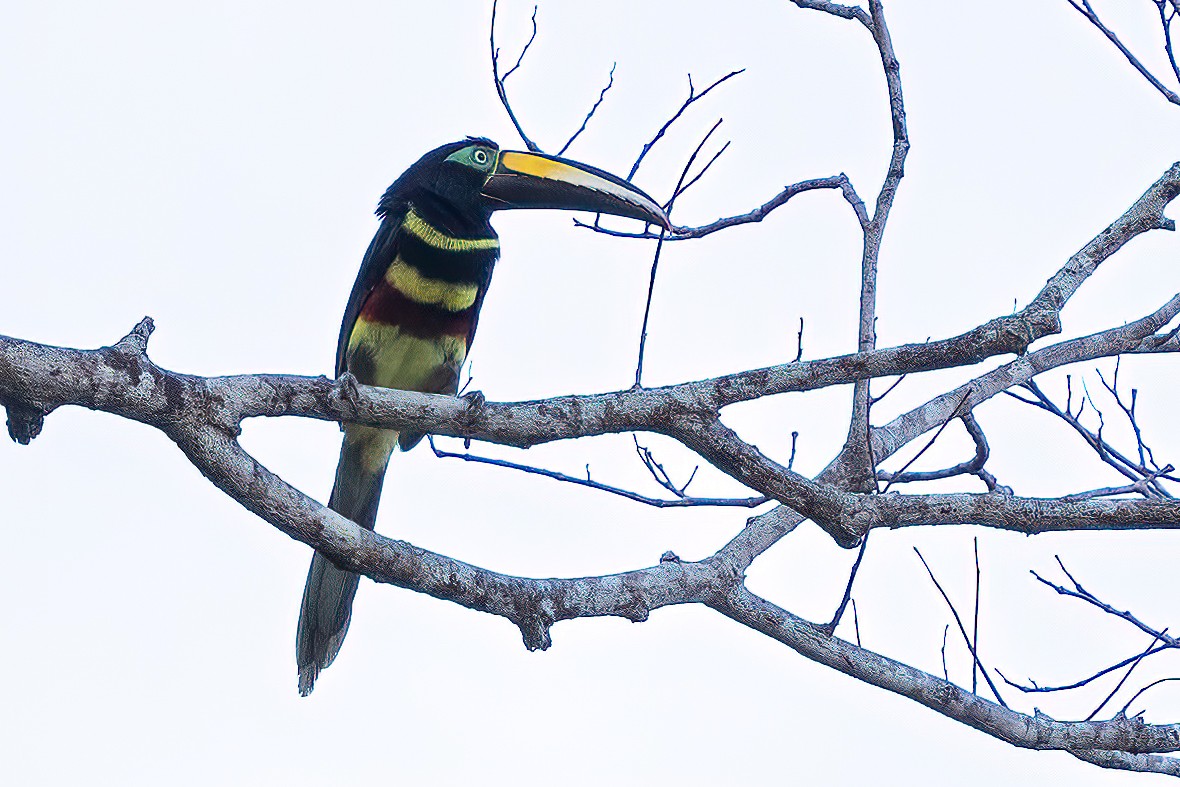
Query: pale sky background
[216,165]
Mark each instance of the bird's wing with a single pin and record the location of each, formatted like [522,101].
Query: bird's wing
[378,258]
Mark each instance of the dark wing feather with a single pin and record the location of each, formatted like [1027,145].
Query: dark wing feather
[379,256]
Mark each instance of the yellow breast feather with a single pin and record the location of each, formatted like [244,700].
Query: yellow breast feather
[409,281]
[430,235]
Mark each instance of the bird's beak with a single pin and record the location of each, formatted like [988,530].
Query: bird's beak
[534,180]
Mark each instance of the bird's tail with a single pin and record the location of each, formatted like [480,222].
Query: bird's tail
[328,594]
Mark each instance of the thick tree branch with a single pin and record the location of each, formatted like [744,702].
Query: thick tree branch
[1121,734]
[763,531]
[203,414]
[857,451]
[121,379]
[534,605]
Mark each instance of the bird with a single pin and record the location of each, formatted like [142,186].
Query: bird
[411,317]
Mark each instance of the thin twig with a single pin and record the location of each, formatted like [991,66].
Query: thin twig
[1139,487]
[1106,452]
[529,43]
[1081,593]
[962,630]
[1123,680]
[1146,455]
[499,80]
[1166,19]
[1036,689]
[679,233]
[658,472]
[593,109]
[697,176]
[651,288]
[1153,684]
[680,502]
[655,263]
[693,97]
[975,629]
[855,621]
[835,621]
[1085,10]
[901,473]
[945,675]
[974,466]
[889,390]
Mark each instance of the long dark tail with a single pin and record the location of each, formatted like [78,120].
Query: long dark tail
[328,594]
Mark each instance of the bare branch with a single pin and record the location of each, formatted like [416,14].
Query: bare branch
[657,471]
[756,215]
[1087,739]
[1123,761]
[1141,691]
[972,467]
[1080,592]
[835,621]
[901,476]
[835,9]
[655,263]
[963,631]
[1169,12]
[1144,480]
[499,80]
[601,96]
[121,379]
[681,501]
[1122,680]
[693,97]
[888,390]
[946,674]
[697,176]
[1139,487]
[1085,10]
[1035,689]
[975,626]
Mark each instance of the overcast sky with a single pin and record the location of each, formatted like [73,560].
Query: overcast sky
[216,166]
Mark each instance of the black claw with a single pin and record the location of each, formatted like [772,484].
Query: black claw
[346,389]
[475,400]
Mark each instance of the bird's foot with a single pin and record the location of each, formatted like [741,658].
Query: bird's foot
[345,389]
[475,400]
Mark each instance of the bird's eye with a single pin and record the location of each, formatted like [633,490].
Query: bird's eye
[480,157]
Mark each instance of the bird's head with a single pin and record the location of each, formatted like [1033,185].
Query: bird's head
[474,177]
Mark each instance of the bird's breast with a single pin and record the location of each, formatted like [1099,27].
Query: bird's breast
[416,324]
